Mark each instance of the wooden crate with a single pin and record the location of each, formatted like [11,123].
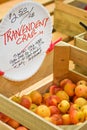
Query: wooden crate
[80,42]
[60,71]
[68,14]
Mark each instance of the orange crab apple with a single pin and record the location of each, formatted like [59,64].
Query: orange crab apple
[54,110]
[13,123]
[36,97]
[26,101]
[66,119]
[56,119]
[69,88]
[81,91]
[43,111]
[52,100]
[76,116]
[21,128]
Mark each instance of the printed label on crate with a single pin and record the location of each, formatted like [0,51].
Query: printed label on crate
[25,35]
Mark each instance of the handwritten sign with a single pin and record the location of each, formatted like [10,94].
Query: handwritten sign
[25,35]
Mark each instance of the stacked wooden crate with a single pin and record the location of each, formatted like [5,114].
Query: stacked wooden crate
[61,70]
[68,14]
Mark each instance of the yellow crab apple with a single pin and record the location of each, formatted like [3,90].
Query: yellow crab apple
[80,101]
[64,106]
[82,82]
[43,110]
[33,107]
[62,95]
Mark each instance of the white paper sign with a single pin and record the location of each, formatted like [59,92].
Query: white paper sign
[25,35]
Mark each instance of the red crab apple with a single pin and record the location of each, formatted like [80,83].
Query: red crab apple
[52,100]
[54,110]
[56,119]
[26,101]
[54,88]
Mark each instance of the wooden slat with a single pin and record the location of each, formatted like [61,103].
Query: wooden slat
[79,56]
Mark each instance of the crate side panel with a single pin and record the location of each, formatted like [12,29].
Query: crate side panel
[60,62]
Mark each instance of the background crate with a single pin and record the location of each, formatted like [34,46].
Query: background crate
[80,42]
[68,14]
[60,71]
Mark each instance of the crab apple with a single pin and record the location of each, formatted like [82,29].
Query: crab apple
[66,119]
[13,123]
[76,116]
[54,110]
[85,113]
[4,117]
[64,106]
[56,119]
[26,101]
[84,107]
[74,107]
[52,100]
[21,128]
[81,82]
[36,97]
[69,88]
[64,81]
[62,95]
[43,111]
[16,99]
[33,107]
[45,96]
[81,91]
[53,89]
[80,101]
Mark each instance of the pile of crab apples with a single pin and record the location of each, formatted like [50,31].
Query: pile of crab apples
[63,104]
